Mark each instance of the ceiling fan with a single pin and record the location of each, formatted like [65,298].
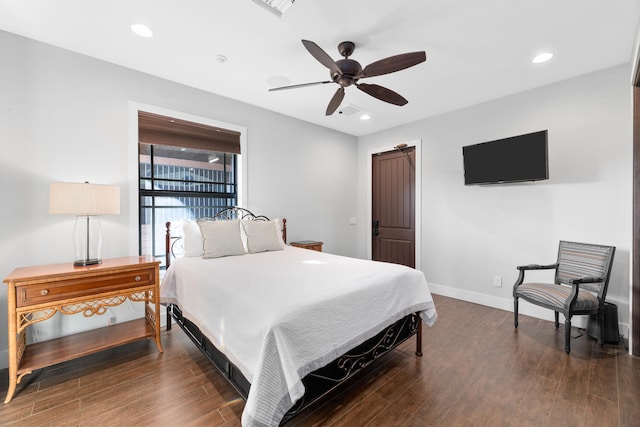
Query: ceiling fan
[347,72]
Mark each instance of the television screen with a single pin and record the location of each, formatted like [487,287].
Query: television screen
[515,159]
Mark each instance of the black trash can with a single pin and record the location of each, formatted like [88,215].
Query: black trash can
[611,332]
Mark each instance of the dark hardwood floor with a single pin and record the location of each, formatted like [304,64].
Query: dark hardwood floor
[476,371]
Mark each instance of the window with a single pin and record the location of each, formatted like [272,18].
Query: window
[182,176]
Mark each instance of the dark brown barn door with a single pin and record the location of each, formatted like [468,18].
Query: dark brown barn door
[393,207]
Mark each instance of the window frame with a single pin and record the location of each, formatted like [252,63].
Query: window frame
[133,198]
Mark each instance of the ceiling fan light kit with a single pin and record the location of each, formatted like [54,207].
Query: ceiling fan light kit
[346,72]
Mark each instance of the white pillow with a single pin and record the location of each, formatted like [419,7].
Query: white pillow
[262,236]
[221,238]
[192,241]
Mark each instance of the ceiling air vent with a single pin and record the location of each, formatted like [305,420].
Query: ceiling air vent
[276,6]
[349,110]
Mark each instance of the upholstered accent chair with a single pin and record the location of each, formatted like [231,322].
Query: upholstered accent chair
[580,286]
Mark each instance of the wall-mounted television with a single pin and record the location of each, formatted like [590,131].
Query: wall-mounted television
[514,159]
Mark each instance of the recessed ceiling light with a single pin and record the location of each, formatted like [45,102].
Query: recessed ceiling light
[213,159]
[543,57]
[221,59]
[365,117]
[142,30]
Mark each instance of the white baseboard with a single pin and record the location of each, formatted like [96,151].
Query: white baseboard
[163,316]
[506,304]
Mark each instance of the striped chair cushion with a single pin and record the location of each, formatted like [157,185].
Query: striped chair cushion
[578,260]
[556,296]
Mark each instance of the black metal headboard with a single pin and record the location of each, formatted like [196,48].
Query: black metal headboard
[235,213]
[225,214]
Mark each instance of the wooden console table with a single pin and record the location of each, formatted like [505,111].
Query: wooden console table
[37,293]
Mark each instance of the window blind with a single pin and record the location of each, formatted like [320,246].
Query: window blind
[156,129]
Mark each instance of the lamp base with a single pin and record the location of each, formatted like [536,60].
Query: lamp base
[85,262]
[87,239]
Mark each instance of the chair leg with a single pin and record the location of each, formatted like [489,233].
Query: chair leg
[515,312]
[567,335]
[601,327]
[557,323]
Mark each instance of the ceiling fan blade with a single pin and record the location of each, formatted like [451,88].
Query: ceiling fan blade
[322,56]
[392,64]
[335,101]
[300,85]
[382,93]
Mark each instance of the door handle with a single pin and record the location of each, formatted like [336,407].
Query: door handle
[376,225]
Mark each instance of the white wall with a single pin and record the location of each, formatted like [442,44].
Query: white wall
[472,233]
[65,117]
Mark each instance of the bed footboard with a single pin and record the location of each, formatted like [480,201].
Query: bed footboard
[318,383]
[324,380]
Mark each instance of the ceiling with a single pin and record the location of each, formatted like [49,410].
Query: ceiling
[476,50]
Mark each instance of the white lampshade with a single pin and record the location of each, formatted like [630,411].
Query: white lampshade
[73,198]
[87,202]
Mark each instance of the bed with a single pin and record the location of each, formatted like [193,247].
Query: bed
[287,325]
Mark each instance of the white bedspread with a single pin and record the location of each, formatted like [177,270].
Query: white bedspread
[280,315]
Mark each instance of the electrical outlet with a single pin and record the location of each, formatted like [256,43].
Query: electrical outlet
[497,281]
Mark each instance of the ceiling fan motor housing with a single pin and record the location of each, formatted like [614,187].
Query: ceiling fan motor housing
[349,69]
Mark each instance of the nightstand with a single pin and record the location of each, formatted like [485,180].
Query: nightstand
[308,244]
[35,294]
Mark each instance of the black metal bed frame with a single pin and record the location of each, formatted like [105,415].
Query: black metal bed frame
[320,382]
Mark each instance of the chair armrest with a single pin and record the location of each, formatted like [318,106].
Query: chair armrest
[523,268]
[537,267]
[575,285]
[587,280]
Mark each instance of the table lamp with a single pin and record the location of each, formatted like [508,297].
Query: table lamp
[86,201]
